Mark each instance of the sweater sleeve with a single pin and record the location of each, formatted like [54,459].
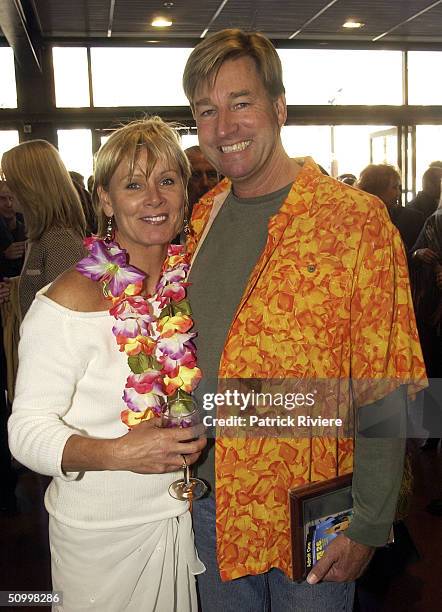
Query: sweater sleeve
[378,467]
[46,380]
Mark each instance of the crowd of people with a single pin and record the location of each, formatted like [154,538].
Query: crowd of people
[290,274]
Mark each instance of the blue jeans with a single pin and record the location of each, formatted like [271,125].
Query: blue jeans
[271,591]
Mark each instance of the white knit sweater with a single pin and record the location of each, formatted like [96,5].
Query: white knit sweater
[70,381]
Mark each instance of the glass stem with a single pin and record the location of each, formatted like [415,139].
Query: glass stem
[186,472]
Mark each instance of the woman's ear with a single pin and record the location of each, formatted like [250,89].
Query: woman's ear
[105,202]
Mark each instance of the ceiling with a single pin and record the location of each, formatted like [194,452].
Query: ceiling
[298,20]
[29,25]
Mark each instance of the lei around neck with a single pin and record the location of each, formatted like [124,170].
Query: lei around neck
[152,330]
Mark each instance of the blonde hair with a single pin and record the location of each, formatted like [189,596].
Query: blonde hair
[161,142]
[39,180]
[208,56]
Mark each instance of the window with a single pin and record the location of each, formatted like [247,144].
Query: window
[424,84]
[8,90]
[8,139]
[75,147]
[312,140]
[313,76]
[428,149]
[189,140]
[138,77]
[342,149]
[71,77]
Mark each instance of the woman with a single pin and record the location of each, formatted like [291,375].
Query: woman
[384,181]
[119,541]
[54,219]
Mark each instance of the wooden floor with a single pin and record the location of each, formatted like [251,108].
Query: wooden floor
[25,565]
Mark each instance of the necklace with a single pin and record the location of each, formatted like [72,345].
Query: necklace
[153,330]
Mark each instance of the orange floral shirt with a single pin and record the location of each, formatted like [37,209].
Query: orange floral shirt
[328,298]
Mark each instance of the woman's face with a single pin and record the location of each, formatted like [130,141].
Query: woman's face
[147,210]
[392,194]
[7,203]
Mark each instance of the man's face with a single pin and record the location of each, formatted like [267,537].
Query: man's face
[238,124]
[7,203]
[204,176]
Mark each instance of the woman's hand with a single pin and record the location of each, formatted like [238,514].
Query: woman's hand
[426,256]
[151,449]
[4,291]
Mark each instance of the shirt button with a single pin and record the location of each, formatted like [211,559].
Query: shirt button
[311,268]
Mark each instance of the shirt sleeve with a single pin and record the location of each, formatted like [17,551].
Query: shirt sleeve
[46,380]
[386,365]
[385,348]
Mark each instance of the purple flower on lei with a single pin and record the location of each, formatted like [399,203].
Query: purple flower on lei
[108,263]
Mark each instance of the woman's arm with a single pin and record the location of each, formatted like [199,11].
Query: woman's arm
[147,449]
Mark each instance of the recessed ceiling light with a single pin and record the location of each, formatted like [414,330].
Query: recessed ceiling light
[352,24]
[161,22]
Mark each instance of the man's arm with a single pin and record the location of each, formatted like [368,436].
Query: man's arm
[377,476]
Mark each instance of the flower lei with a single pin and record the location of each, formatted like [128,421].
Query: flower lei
[153,330]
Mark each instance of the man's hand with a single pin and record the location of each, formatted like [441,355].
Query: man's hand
[343,561]
[438,271]
[4,291]
[14,250]
[426,256]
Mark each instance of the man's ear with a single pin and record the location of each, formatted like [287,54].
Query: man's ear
[280,109]
[105,202]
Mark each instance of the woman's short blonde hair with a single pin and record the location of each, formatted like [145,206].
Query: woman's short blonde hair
[39,180]
[161,142]
[208,56]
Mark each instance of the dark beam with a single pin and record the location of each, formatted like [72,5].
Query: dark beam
[297,115]
[21,28]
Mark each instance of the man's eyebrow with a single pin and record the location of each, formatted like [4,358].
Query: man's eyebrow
[232,95]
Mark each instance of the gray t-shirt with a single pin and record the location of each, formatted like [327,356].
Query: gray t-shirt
[219,277]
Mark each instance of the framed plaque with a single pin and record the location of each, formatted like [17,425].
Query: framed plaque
[318,512]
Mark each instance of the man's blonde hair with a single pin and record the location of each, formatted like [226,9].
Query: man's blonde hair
[161,142]
[39,180]
[208,56]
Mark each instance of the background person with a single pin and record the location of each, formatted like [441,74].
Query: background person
[427,200]
[12,234]
[204,176]
[384,181]
[119,541]
[54,219]
[295,275]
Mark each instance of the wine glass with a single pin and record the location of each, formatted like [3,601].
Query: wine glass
[183,412]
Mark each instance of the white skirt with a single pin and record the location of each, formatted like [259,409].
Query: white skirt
[142,568]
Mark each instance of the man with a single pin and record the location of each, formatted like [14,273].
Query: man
[299,277]
[203,177]
[427,200]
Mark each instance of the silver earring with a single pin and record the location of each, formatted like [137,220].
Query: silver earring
[187,229]
[109,230]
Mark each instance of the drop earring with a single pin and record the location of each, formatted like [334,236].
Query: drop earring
[109,230]
[187,229]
